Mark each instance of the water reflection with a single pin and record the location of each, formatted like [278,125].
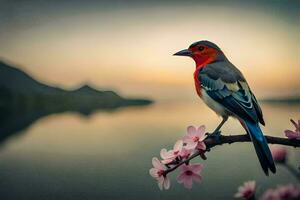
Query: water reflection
[15,121]
[107,155]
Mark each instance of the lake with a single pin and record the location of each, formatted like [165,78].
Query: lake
[107,155]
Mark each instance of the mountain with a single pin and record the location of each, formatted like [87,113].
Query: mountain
[23,100]
[20,92]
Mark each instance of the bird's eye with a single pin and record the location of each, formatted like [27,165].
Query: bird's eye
[201,48]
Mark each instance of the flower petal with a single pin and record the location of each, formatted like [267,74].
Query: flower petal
[197,178]
[178,145]
[167,183]
[157,164]
[188,182]
[251,184]
[154,172]
[160,182]
[238,195]
[185,153]
[181,178]
[184,168]
[196,168]
[291,134]
[164,154]
[202,137]
[186,137]
[201,145]
[246,191]
[201,133]
[201,130]
[279,153]
[166,161]
[190,144]
[191,130]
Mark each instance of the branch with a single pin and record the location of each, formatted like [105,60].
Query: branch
[211,142]
[215,141]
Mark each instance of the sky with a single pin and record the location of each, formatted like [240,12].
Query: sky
[127,46]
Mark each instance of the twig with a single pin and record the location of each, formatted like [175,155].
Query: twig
[211,142]
[222,139]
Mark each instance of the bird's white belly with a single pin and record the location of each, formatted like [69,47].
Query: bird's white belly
[215,106]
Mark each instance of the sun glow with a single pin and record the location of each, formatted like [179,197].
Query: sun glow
[119,50]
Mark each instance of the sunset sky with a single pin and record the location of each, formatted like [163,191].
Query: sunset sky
[128,46]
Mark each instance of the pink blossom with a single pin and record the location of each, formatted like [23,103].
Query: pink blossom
[194,138]
[157,172]
[288,192]
[190,173]
[294,134]
[279,153]
[270,194]
[185,153]
[169,156]
[246,191]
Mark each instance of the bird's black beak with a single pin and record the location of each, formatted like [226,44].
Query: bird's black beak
[184,52]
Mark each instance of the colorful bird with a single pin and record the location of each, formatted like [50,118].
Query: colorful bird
[225,90]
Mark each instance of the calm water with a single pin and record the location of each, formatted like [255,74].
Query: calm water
[107,155]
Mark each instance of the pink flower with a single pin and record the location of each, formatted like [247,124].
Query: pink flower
[185,153]
[194,138]
[288,192]
[279,154]
[169,156]
[270,194]
[293,134]
[246,191]
[157,172]
[190,173]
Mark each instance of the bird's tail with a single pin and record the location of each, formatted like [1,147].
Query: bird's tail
[261,147]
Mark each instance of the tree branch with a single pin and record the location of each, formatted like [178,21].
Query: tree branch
[211,142]
[222,139]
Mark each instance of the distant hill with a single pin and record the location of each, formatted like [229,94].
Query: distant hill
[20,92]
[23,100]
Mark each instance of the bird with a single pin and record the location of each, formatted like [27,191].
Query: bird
[224,89]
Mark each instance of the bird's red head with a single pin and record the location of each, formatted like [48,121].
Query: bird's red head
[203,52]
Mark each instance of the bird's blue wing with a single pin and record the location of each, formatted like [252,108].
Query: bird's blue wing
[233,94]
[226,85]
